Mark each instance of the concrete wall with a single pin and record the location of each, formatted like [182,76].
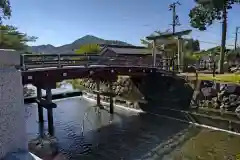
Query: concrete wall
[12,121]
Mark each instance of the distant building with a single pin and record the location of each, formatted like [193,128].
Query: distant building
[233,57]
[130,54]
[116,50]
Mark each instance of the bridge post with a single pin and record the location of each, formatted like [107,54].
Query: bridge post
[98,93]
[50,111]
[13,137]
[40,108]
[111,97]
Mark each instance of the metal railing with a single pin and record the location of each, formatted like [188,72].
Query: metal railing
[33,61]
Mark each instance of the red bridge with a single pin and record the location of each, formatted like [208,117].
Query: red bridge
[42,70]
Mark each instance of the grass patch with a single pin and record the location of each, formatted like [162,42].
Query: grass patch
[229,77]
[209,145]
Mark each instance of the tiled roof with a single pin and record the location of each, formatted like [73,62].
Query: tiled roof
[127,49]
[130,51]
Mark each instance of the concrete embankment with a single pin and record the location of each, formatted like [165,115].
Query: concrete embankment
[205,120]
[59,95]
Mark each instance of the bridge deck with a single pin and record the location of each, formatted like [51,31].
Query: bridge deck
[39,70]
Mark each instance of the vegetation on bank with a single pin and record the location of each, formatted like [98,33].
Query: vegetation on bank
[231,78]
[227,77]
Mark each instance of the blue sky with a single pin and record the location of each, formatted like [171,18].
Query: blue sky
[58,22]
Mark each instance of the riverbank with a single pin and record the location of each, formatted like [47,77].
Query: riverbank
[142,90]
[191,143]
[203,115]
[92,97]
[233,78]
[206,145]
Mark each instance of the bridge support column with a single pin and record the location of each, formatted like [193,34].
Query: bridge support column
[13,137]
[40,108]
[98,93]
[50,112]
[111,98]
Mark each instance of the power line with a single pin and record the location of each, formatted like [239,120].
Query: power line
[214,43]
[228,37]
[175,20]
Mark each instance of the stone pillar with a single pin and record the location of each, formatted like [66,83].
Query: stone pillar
[13,137]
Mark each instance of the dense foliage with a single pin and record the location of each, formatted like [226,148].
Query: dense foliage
[207,11]
[5,10]
[89,48]
[11,38]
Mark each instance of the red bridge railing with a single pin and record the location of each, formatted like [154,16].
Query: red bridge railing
[33,61]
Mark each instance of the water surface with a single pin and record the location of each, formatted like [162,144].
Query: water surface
[84,132]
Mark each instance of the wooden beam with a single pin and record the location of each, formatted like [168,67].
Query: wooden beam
[177,34]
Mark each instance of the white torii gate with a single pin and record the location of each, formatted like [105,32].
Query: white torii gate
[162,39]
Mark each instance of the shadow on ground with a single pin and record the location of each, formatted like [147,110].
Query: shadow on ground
[164,91]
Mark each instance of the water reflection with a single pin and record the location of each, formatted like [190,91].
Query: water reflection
[86,132]
[79,125]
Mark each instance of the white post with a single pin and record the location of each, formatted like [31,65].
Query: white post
[180,56]
[13,137]
[154,52]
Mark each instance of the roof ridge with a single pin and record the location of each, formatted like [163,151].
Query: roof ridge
[124,46]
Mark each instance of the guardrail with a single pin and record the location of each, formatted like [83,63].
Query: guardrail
[31,61]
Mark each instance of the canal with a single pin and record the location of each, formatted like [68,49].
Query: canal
[84,132]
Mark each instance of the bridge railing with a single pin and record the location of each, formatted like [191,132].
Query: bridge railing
[32,61]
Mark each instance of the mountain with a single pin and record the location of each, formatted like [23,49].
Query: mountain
[43,48]
[69,48]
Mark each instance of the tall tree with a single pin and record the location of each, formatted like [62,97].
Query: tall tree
[5,10]
[206,12]
[11,38]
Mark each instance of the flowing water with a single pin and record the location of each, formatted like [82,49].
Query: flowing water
[84,132]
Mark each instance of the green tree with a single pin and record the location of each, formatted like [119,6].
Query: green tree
[5,10]
[89,48]
[191,45]
[206,12]
[11,38]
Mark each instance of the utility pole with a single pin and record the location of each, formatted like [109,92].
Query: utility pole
[175,20]
[236,38]
[224,35]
